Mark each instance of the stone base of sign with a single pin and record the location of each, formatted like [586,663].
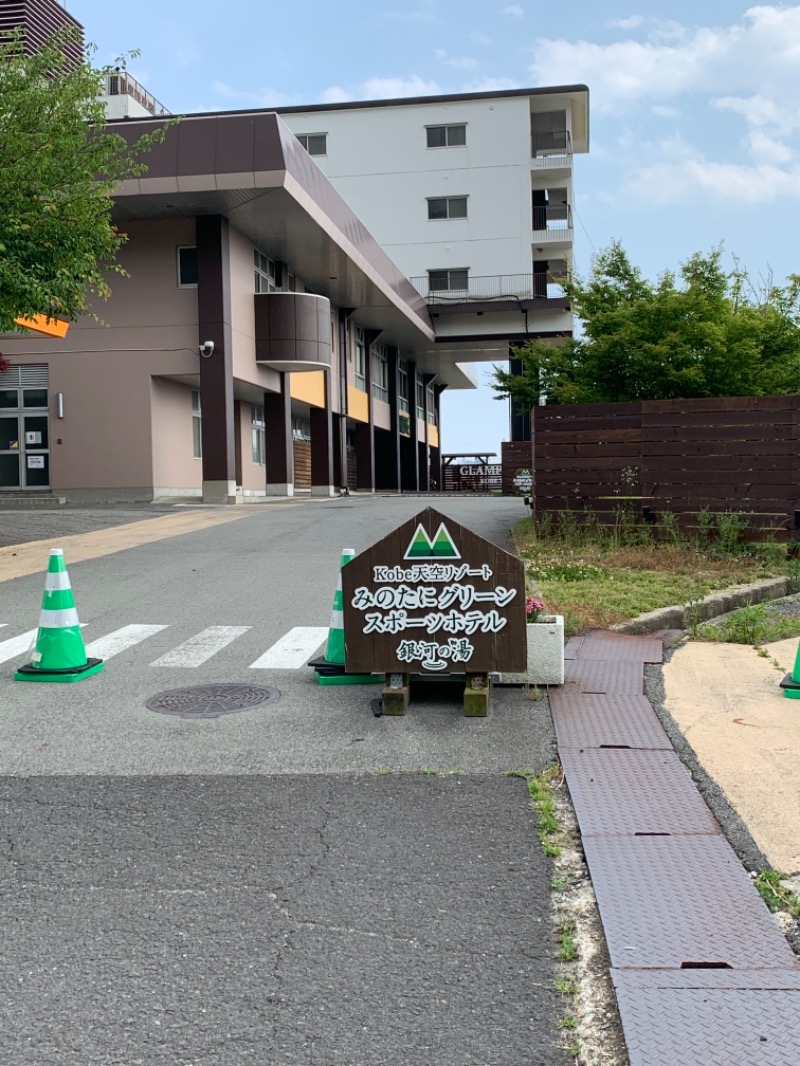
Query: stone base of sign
[545,654]
[396,694]
[477,695]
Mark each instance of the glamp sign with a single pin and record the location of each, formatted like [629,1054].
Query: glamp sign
[434,598]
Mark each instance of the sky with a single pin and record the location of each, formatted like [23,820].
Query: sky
[694,107]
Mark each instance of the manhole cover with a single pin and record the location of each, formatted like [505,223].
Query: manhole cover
[211,701]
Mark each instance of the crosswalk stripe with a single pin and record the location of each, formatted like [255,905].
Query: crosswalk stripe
[196,650]
[9,649]
[292,650]
[120,640]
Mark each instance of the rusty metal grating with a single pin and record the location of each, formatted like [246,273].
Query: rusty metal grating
[572,649]
[619,648]
[594,720]
[710,1024]
[671,902]
[593,675]
[628,792]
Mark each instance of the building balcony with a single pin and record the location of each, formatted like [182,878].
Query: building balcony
[552,224]
[122,84]
[551,151]
[498,292]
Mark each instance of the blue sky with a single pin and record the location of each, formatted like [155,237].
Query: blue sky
[695,108]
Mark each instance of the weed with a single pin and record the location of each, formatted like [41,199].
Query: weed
[567,944]
[567,1022]
[775,894]
[567,986]
[382,772]
[552,851]
[558,884]
[426,770]
[705,527]
[668,528]
[730,526]
[573,1050]
[541,793]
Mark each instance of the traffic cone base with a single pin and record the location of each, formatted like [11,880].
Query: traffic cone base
[349,679]
[791,688]
[73,673]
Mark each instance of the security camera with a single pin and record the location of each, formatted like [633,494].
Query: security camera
[207,349]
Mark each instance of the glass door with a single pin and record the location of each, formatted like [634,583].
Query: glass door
[10,452]
[24,439]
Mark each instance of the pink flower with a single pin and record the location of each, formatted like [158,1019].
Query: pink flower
[533,607]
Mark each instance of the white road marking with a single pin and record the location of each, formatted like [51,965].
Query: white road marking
[120,640]
[9,649]
[293,650]
[196,650]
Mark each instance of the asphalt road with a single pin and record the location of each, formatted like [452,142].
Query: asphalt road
[282,885]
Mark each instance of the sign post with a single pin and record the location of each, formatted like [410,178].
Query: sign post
[432,598]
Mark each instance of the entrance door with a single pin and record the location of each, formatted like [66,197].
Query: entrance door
[24,439]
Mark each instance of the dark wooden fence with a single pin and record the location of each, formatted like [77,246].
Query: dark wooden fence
[730,454]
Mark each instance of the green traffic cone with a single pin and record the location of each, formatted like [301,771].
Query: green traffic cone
[60,654]
[791,683]
[330,668]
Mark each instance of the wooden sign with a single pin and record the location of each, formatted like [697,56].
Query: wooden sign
[434,598]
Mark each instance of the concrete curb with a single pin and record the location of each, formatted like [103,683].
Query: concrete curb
[712,606]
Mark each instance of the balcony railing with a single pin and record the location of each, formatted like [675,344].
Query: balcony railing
[122,84]
[496,288]
[552,149]
[552,223]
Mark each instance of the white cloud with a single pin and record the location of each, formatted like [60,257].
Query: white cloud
[481,39]
[627,24]
[759,52]
[515,10]
[388,88]
[663,111]
[759,110]
[699,180]
[491,85]
[268,97]
[335,94]
[768,149]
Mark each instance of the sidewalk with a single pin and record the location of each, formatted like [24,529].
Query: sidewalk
[702,971]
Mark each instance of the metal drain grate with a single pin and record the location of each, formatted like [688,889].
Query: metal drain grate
[719,1020]
[617,792]
[211,701]
[673,902]
[597,675]
[594,720]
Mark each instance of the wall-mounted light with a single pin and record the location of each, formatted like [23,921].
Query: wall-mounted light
[60,404]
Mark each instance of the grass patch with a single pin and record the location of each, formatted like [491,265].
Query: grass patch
[597,577]
[753,624]
[540,788]
[775,894]
[567,944]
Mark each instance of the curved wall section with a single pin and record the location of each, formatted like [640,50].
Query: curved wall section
[293,331]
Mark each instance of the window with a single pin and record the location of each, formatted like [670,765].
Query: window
[402,385]
[431,406]
[361,360]
[420,397]
[187,268]
[380,373]
[301,428]
[447,207]
[446,136]
[197,421]
[314,143]
[259,426]
[266,271]
[448,280]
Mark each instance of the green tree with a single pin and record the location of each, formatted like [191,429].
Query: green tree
[708,333]
[59,165]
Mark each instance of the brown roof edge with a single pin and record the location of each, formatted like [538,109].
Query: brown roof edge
[258,142]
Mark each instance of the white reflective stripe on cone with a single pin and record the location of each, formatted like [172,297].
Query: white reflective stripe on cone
[58,619]
[57,582]
[337,620]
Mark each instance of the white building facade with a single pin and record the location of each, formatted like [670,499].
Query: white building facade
[472,197]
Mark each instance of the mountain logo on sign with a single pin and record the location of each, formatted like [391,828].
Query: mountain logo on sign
[441,547]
